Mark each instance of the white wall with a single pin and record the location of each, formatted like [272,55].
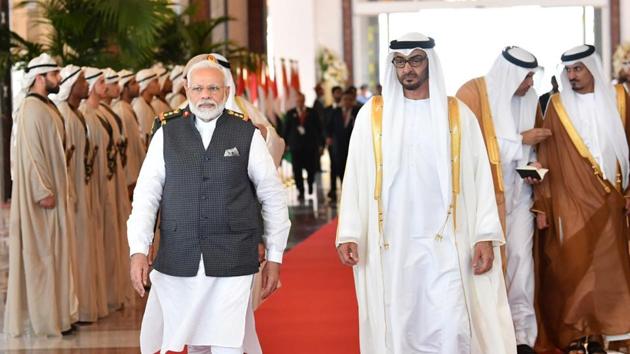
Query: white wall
[292,35]
[625,20]
[329,25]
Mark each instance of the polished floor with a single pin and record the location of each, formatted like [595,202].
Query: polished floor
[119,332]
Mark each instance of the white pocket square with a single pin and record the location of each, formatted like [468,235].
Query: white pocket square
[231,152]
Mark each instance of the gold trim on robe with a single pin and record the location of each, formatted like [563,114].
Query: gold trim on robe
[492,145]
[377,136]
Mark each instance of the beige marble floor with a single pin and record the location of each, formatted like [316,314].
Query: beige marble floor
[116,333]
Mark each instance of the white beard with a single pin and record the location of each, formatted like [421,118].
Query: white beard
[207,115]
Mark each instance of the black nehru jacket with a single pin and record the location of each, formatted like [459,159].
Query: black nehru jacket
[209,204]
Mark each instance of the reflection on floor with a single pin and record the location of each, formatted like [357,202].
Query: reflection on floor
[119,332]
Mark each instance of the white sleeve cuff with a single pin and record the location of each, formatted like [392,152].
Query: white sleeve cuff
[274,256]
[136,247]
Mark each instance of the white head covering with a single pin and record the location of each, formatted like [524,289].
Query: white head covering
[611,133]
[92,75]
[512,114]
[394,111]
[144,78]
[111,77]
[161,72]
[124,77]
[42,64]
[177,78]
[229,82]
[69,75]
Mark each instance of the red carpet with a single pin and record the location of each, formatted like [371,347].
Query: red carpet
[315,311]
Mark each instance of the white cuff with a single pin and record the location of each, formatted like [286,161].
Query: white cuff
[274,256]
[138,247]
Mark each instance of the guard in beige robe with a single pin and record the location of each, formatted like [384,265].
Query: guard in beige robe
[149,87]
[177,96]
[135,146]
[40,294]
[159,103]
[123,204]
[107,182]
[95,167]
[72,90]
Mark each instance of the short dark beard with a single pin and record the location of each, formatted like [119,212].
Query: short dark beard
[424,76]
[50,88]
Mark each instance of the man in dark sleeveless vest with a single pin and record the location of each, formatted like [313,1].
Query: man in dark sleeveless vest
[208,171]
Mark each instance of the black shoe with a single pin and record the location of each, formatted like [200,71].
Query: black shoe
[332,194]
[301,197]
[595,348]
[524,349]
[71,331]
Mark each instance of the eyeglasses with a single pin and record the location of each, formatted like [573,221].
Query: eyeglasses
[414,61]
[213,89]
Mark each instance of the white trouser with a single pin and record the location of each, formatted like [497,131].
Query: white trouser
[198,349]
[520,273]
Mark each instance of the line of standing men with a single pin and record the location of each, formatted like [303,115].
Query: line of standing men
[71,190]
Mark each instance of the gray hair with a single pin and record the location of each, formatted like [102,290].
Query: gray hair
[205,64]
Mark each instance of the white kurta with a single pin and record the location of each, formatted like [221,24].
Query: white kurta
[202,310]
[487,327]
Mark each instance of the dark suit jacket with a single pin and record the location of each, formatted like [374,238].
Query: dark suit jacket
[340,134]
[312,139]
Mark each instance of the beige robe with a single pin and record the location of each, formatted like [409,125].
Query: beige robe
[95,204]
[135,145]
[176,100]
[123,205]
[160,106]
[40,295]
[146,115]
[108,202]
[84,250]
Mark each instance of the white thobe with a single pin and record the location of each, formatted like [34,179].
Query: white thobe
[586,124]
[519,275]
[424,298]
[425,301]
[202,310]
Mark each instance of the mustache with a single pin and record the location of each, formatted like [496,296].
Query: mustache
[207,102]
[411,75]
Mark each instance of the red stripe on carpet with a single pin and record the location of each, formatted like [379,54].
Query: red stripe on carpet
[315,311]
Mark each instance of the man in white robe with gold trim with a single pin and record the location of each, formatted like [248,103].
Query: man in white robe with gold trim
[431,282]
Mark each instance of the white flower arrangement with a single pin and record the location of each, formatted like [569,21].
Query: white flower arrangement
[332,70]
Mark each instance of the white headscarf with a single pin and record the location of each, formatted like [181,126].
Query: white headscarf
[229,82]
[611,134]
[111,77]
[512,114]
[177,78]
[144,78]
[161,72]
[394,111]
[69,75]
[124,77]
[92,75]
[42,64]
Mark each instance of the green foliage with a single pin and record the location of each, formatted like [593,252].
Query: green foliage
[116,33]
[182,38]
